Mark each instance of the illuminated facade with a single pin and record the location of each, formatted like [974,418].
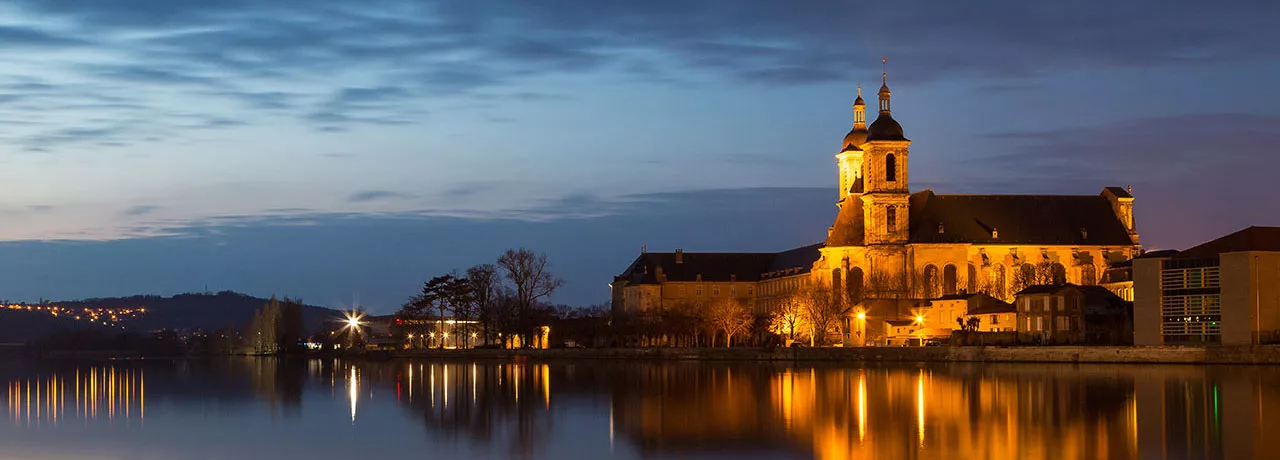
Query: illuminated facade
[889,250]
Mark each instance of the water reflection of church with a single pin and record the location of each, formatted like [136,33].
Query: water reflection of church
[963,411]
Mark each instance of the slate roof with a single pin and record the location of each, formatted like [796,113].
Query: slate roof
[1119,192]
[1016,219]
[847,229]
[885,128]
[719,266]
[1249,239]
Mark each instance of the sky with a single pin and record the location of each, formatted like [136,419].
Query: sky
[343,152]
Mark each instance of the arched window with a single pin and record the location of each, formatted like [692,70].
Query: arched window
[853,285]
[949,280]
[971,279]
[890,168]
[1059,274]
[1088,275]
[1026,276]
[835,285]
[929,282]
[890,219]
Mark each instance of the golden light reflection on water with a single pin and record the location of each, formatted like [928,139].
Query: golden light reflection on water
[94,393]
[353,391]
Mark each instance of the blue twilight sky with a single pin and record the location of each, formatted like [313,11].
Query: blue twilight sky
[344,151]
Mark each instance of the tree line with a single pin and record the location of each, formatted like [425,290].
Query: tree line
[809,314]
[501,299]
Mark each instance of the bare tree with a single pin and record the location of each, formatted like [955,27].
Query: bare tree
[1029,274]
[789,317]
[484,291]
[729,316]
[821,312]
[532,280]
[881,285]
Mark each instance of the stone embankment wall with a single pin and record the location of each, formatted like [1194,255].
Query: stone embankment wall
[1151,355]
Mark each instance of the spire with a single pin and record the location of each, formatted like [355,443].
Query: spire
[859,112]
[884,86]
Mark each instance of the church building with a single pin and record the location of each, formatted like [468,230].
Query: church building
[890,251]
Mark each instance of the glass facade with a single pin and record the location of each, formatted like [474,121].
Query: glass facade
[1191,301]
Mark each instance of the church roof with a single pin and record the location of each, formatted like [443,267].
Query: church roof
[852,140]
[1015,219]
[847,229]
[719,266]
[885,128]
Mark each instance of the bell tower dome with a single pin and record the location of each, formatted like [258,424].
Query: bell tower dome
[885,200]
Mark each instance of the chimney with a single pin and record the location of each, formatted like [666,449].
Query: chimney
[679,256]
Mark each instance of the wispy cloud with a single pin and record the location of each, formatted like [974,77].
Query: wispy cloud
[377,195]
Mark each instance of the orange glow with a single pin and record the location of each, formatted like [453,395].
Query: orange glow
[44,400]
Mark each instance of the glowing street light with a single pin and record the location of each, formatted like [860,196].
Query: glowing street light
[862,316]
[919,319]
[353,320]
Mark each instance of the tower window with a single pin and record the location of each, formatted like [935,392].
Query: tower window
[890,218]
[890,168]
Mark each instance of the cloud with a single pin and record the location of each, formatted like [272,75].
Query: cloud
[389,254]
[139,210]
[35,38]
[377,195]
[406,52]
[1196,177]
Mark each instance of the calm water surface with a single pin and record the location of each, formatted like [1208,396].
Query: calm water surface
[246,409]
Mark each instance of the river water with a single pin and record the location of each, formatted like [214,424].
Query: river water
[244,409]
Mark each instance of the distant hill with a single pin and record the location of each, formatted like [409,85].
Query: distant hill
[208,312]
[23,326]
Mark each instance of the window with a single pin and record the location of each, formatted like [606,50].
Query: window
[715,291]
[733,291]
[890,168]
[995,319]
[890,218]
[699,291]
[949,279]
[835,285]
[853,285]
[1059,274]
[749,290]
[930,281]
[1088,275]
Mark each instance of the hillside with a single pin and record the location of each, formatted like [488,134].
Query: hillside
[207,312]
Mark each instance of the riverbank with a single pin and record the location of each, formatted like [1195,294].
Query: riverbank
[1269,354]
